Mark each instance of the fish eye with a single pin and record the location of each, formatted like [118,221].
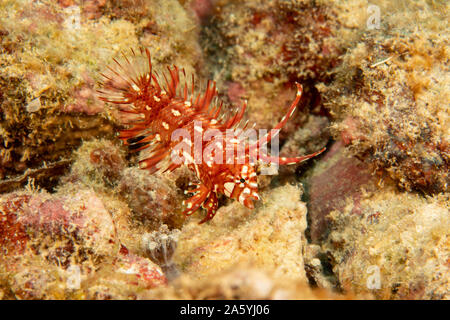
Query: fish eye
[242,180]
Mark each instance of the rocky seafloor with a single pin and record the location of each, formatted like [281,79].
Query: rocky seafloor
[367,219]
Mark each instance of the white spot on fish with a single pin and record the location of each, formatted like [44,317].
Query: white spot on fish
[292,112]
[197,172]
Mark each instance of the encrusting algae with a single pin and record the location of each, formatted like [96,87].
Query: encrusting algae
[390,98]
[367,219]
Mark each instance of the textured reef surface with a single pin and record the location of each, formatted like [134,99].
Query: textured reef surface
[368,219]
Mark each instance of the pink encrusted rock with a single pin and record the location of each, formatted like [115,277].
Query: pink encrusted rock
[202,8]
[235,93]
[147,273]
[85,98]
[92,9]
[13,236]
[81,219]
[65,246]
[350,133]
[338,179]
[82,213]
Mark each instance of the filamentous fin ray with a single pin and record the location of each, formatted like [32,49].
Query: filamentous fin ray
[152,105]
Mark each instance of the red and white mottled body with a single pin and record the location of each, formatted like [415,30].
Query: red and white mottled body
[152,112]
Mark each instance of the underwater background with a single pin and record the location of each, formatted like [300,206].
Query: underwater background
[367,219]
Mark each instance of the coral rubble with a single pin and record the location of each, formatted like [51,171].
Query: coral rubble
[397,247]
[390,97]
[260,47]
